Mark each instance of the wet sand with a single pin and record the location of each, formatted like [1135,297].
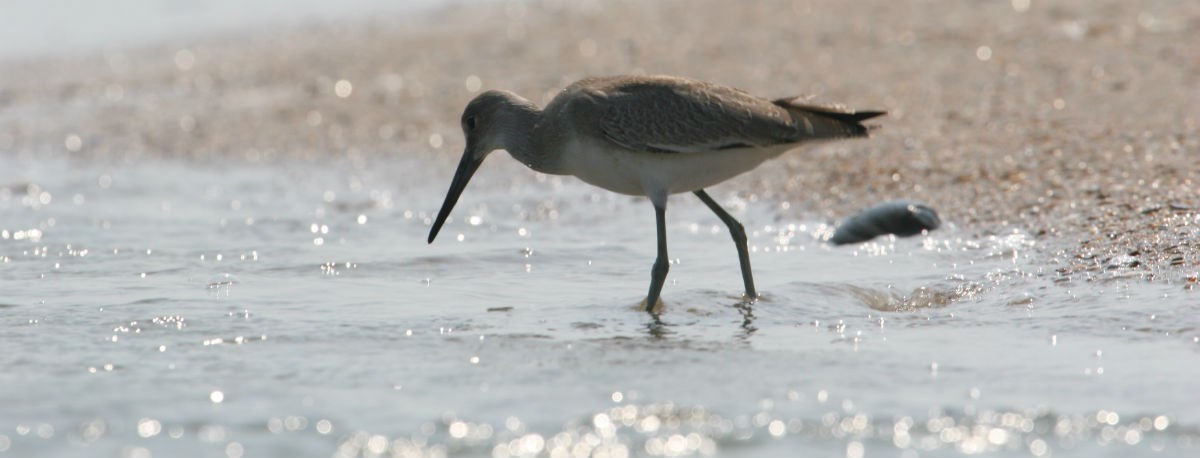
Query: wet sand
[1074,121]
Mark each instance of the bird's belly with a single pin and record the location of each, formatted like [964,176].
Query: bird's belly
[644,173]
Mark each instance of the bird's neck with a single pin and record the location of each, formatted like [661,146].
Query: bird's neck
[521,137]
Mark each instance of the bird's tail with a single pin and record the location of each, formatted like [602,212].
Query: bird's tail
[816,121]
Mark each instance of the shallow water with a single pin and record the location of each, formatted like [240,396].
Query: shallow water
[170,308]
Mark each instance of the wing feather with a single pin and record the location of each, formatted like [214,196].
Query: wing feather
[673,115]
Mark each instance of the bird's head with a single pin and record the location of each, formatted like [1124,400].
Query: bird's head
[489,123]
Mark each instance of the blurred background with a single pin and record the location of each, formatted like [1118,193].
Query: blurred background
[213,219]
[66,27]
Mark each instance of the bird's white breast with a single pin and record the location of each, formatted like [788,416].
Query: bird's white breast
[643,173]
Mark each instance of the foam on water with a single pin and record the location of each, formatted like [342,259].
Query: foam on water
[295,309]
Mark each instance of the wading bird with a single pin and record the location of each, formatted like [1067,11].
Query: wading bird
[647,136]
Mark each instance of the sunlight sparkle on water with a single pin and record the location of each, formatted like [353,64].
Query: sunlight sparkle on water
[148,427]
[185,59]
[343,88]
[670,430]
[983,53]
[473,83]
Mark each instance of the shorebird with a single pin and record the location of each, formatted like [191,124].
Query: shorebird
[647,136]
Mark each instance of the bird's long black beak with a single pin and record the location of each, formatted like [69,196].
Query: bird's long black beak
[466,168]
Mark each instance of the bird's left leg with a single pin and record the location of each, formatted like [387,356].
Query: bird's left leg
[658,273]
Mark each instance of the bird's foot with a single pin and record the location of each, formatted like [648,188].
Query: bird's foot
[656,310]
[751,299]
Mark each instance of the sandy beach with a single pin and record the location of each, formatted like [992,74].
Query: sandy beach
[1073,121]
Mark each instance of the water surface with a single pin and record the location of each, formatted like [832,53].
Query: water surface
[172,308]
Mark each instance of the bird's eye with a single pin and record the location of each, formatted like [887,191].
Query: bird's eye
[470,123]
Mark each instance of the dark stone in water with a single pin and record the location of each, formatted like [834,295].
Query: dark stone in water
[899,217]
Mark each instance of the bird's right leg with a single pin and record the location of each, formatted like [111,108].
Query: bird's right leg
[739,239]
[658,273]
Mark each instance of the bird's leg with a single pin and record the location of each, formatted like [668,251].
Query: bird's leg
[658,273]
[739,238]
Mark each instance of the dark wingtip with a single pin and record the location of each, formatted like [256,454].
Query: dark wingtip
[865,115]
[837,113]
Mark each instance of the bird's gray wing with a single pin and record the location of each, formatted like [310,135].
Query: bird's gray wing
[681,116]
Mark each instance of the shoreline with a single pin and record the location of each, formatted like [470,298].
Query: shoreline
[1073,122]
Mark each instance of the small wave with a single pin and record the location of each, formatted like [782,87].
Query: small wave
[922,297]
